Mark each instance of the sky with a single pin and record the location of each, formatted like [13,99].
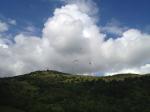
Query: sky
[74,36]
[129,13]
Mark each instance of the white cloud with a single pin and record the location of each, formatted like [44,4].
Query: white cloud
[12,22]
[113,30]
[72,42]
[30,28]
[84,5]
[3,26]
[2,44]
[139,70]
[114,27]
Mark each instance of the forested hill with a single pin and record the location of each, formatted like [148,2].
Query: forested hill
[51,91]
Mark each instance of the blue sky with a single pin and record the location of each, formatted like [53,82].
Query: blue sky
[28,12]
[130,13]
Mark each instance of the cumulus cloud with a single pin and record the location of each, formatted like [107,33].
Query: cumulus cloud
[12,22]
[3,26]
[114,27]
[85,6]
[30,28]
[72,42]
[138,70]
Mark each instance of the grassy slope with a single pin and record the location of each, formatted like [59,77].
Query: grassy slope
[51,91]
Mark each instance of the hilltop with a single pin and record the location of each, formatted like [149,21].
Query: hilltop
[52,91]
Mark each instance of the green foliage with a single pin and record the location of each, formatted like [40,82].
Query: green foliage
[9,109]
[51,91]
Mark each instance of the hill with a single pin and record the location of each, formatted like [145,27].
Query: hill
[52,91]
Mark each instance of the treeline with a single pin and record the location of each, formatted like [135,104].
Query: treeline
[51,91]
